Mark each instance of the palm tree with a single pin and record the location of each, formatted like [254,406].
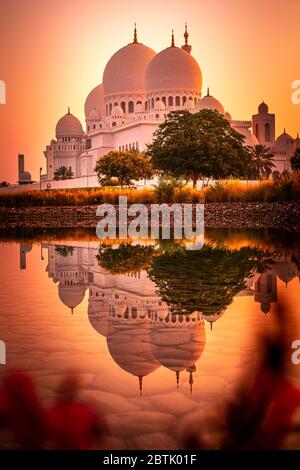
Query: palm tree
[263,159]
[63,173]
[295,161]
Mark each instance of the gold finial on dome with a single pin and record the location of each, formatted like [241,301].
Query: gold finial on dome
[191,381]
[191,370]
[177,378]
[186,47]
[173,40]
[141,384]
[186,35]
[208,92]
[69,110]
[135,39]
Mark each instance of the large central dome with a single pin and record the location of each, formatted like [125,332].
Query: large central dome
[125,71]
[173,69]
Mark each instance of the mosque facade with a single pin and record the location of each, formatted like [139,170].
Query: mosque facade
[138,89]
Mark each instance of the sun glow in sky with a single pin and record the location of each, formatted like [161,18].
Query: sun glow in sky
[53,53]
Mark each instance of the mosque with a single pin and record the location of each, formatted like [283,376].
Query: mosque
[141,333]
[139,88]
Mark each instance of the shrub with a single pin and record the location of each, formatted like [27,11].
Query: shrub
[283,189]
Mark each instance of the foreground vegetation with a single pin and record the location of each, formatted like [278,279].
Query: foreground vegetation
[283,189]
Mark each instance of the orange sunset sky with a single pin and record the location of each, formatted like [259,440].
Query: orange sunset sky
[52,53]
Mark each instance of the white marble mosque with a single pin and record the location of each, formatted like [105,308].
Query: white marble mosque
[139,88]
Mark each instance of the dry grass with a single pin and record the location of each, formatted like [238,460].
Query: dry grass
[284,190]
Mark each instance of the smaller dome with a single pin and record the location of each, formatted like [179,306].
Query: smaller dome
[250,139]
[228,116]
[263,108]
[265,307]
[68,126]
[25,176]
[209,102]
[95,100]
[139,108]
[189,104]
[71,296]
[159,105]
[283,141]
[117,111]
[94,115]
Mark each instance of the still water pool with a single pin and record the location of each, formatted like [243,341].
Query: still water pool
[157,334]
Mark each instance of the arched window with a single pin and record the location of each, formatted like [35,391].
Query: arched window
[164,100]
[115,104]
[256,131]
[146,105]
[157,116]
[139,102]
[94,126]
[114,124]
[170,101]
[152,102]
[110,108]
[184,100]
[195,101]
[177,101]
[131,107]
[267,132]
[123,106]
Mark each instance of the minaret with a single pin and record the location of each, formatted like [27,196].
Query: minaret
[21,159]
[186,47]
[135,39]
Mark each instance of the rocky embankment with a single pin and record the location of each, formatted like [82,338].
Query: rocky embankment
[227,215]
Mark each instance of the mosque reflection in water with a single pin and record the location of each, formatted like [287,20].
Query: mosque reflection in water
[151,310]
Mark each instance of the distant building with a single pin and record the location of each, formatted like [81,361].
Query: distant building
[24,177]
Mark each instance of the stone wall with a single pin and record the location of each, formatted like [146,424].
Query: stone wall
[230,215]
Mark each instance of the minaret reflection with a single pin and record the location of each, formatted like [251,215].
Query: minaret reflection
[24,249]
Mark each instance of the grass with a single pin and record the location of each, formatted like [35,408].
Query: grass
[284,190]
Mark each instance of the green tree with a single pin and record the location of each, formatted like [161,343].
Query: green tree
[295,161]
[64,250]
[263,159]
[126,166]
[200,145]
[63,173]
[205,280]
[125,259]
